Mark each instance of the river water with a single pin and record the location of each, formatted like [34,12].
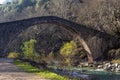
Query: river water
[101,75]
[89,74]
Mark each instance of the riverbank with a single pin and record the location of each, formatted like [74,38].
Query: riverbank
[83,71]
[41,72]
[86,73]
[113,66]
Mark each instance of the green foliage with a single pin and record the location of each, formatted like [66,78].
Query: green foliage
[28,50]
[43,73]
[68,49]
[13,55]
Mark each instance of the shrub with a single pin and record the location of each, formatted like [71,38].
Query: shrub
[68,50]
[29,51]
[13,55]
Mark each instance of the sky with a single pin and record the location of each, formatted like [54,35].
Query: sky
[3,1]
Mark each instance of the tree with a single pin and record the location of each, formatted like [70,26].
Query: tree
[28,49]
[68,50]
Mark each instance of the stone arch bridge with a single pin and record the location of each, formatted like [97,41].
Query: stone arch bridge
[93,41]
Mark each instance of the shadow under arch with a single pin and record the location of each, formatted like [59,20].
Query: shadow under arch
[81,40]
[76,34]
[66,24]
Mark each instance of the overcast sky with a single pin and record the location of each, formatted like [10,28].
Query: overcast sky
[4,1]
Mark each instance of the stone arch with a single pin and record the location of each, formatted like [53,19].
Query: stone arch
[82,31]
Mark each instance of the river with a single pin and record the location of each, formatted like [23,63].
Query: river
[101,75]
[88,74]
